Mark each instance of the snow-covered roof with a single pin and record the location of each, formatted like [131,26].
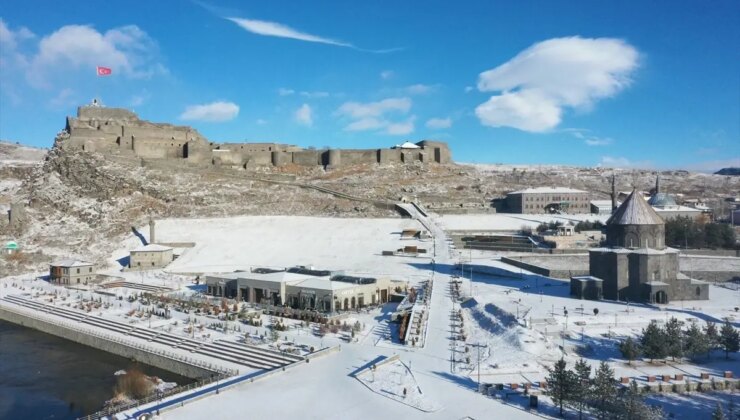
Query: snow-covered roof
[635,211]
[152,248]
[276,277]
[70,263]
[677,208]
[324,283]
[552,190]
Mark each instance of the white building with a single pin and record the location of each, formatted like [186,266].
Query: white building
[150,257]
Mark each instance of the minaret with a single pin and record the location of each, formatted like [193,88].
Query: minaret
[614,192]
[657,183]
[151,231]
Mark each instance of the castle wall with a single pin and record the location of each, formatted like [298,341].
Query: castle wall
[105,113]
[357,157]
[150,148]
[307,158]
[115,130]
[227,158]
[258,159]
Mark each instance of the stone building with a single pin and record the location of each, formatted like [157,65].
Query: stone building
[636,265]
[665,205]
[301,288]
[150,257]
[543,200]
[71,272]
[120,132]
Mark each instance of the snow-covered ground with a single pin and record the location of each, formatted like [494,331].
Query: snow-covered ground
[509,222]
[517,320]
[228,244]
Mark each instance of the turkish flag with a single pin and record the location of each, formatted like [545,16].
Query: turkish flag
[104,71]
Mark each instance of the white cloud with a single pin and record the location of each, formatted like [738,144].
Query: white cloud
[419,89]
[214,112]
[127,50]
[318,94]
[387,74]
[365,124]
[622,162]
[540,82]
[265,28]
[439,123]
[401,128]
[588,138]
[261,121]
[304,115]
[359,110]
[374,115]
[285,92]
[64,98]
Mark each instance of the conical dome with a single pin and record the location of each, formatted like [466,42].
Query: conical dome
[635,211]
[635,225]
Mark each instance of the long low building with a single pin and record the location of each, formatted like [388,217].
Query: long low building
[301,288]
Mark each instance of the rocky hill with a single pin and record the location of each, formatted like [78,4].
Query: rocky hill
[728,171]
[82,204]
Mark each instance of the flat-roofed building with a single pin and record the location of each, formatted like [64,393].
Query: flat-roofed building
[301,288]
[71,272]
[543,200]
[150,257]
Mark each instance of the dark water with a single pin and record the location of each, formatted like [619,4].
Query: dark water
[46,377]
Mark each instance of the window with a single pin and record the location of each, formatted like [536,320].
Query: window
[78,271]
[698,291]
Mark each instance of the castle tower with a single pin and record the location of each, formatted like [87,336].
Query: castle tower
[635,225]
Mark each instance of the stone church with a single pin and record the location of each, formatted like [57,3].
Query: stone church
[636,265]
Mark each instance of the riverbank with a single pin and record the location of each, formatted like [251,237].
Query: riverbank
[127,349]
[43,376]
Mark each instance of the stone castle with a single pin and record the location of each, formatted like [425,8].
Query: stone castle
[119,131]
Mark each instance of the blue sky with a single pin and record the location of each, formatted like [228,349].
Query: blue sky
[649,84]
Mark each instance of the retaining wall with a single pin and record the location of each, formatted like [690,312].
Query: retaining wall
[120,349]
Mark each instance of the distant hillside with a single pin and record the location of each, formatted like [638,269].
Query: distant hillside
[728,171]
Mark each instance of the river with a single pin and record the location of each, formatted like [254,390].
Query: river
[46,377]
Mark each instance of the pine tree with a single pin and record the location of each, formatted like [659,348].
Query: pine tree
[653,342]
[695,341]
[603,389]
[632,406]
[560,383]
[673,336]
[581,386]
[712,336]
[729,339]
[630,349]
[718,414]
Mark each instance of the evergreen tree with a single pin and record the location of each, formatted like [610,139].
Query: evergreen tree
[695,341]
[653,342]
[581,386]
[712,336]
[673,336]
[632,406]
[603,389]
[630,349]
[560,383]
[729,339]
[718,414]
